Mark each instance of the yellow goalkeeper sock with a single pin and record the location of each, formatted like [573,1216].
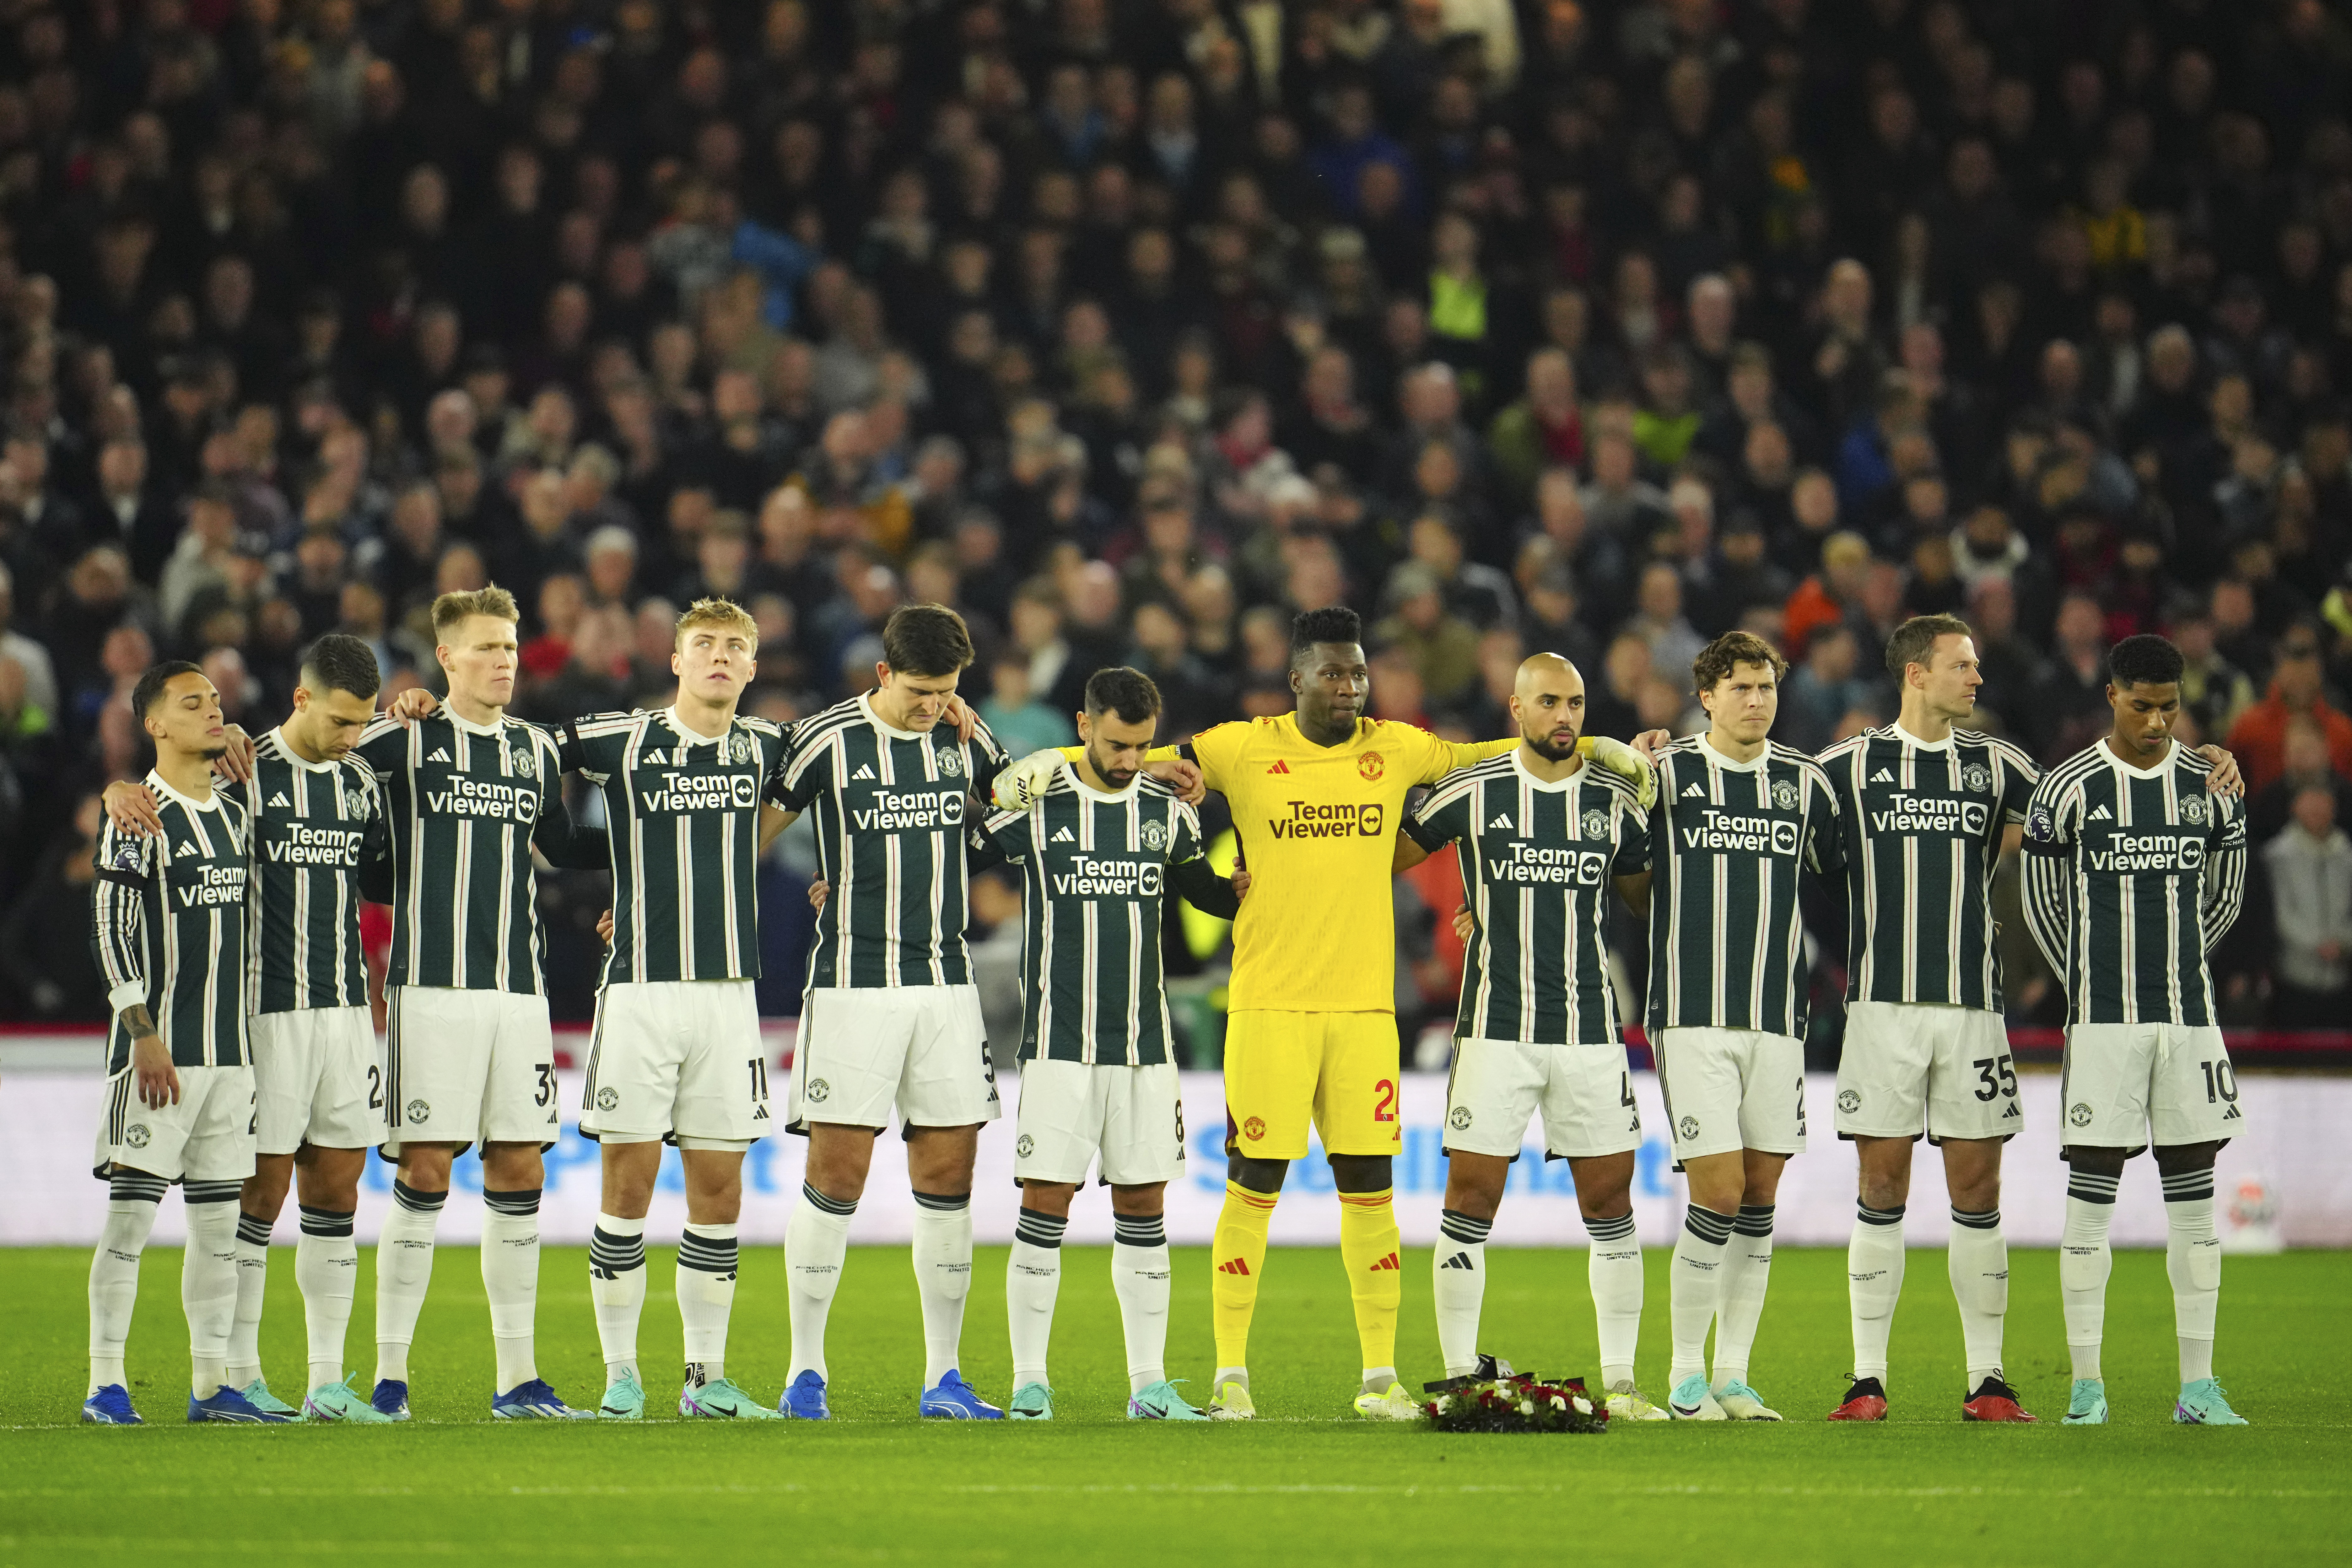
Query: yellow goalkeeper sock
[1368,1244]
[1240,1256]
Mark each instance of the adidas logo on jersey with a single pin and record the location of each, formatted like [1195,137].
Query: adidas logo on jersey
[1459,1260]
[863,772]
[1882,777]
[2101,813]
[1692,789]
[1502,822]
[439,755]
[279,799]
[1064,835]
[185,850]
[1279,768]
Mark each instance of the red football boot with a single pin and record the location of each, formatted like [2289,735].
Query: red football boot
[1994,1401]
[1866,1401]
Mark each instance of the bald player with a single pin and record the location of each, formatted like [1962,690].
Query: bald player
[1543,836]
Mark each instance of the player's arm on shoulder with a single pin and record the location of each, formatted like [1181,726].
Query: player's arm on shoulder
[2225,780]
[773,820]
[1439,757]
[130,806]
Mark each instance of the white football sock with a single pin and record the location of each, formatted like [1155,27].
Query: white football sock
[817,1241]
[327,1272]
[1033,1278]
[942,1257]
[252,1252]
[1874,1284]
[1697,1289]
[510,1281]
[2192,1260]
[1978,1265]
[617,1288]
[404,1269]
[1614,1273]
[1457,1277]
[1141,1277]
[208,1281]
[706,1298]
[114,1271]
[1747,1272]
[2084,1261]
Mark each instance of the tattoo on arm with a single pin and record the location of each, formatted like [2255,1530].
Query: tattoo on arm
[137,1019]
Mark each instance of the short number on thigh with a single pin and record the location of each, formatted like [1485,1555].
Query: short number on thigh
[1384,1110]
[2221,1082]
[546,1084]
[375,1087]
[1995,1086]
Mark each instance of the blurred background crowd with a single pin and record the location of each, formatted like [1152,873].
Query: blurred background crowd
[1129,328]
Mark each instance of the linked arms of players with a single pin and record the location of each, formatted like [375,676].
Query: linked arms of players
[1019,785]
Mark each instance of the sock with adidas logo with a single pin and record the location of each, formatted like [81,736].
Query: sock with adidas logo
[1370,1245]
[1238,1250]
[1458,1280]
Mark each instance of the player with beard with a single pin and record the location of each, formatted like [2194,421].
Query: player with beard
[1543,837]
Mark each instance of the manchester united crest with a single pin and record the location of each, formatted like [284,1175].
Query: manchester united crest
[1596,824]
[951,762]
[2192,810]
[1976,779]
[1784,793]
[1155,836]
[1372,765]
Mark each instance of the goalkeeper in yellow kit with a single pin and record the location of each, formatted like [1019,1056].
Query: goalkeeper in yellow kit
[1316,796]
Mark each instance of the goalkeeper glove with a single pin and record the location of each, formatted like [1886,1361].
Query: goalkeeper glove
[1018,786]
[1623,760]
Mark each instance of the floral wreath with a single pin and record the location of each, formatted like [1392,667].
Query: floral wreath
[1495,1398]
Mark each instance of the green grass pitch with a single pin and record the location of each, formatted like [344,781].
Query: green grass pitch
[1307,1482]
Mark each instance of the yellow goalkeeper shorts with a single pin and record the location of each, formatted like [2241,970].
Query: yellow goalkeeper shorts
[1284,1070]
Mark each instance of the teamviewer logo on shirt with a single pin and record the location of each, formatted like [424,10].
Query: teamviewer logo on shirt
[1313,820]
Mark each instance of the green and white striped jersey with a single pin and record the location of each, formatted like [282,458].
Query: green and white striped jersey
[2132,875]
[1921,824]
[682,813]
[314,825]
[1727,841]
[168,919]
[1538,860]
[1096,867]
[889,832]
[466,803]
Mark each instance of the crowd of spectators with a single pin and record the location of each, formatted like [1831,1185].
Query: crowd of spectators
[1131,327]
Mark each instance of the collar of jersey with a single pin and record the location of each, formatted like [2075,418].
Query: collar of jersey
[689,734]
[468,726]
[1107,796]
[1553,787]
[1734,763]
[865,701]
[296,757]
[1908,738]
[155,782]
[2107,754]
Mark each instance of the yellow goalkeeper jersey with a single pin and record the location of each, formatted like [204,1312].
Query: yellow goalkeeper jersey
[1318,827]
